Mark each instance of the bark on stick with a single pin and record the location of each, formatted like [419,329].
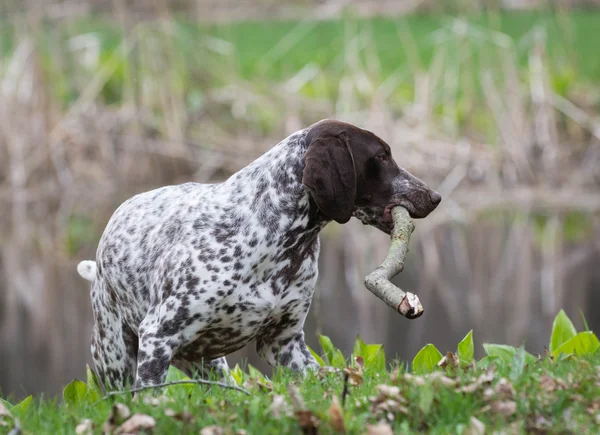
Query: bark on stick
[378,282]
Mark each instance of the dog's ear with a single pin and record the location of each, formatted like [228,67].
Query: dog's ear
[330,176]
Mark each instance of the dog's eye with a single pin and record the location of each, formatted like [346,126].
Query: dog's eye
[382,157]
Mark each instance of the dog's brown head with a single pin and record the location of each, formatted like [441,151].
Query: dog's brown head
[350,172]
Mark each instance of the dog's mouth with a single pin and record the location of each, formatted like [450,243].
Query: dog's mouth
[382,219]
[387,211]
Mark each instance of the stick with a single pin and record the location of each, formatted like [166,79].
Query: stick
[345,390]
[378,281]
[168,384]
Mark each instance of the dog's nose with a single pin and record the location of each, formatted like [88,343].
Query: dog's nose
[435,197]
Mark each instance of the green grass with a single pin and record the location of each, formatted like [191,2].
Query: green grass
[510,387]
[276,50]
[569,404]
[192,62]
[324,41]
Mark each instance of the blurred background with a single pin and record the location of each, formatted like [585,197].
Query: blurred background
[495,104]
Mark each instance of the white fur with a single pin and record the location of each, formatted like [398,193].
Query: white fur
[87,270]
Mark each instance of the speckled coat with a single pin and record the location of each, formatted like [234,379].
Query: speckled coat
[187,274]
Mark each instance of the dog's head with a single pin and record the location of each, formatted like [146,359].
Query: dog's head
[350,172]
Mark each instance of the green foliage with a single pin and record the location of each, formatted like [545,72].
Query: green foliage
[174,375]
[22,407]
[238,374]
[77,393]
[429,356]
[79,232]
[92,381]
[426,359]
[188,58]
[575,226]
[255,373]
[333,357]
[373,355]
[485,362]
[438,401]
[466,349]
[505,353]
[562,331]
[563,81]
[316,356]
[583,343]
[426,397]
[518,364]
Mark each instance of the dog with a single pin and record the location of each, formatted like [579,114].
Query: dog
[187,274]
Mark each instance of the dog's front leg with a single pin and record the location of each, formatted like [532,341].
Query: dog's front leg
[287,349]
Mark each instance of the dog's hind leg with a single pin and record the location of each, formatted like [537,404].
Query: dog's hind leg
[114,344]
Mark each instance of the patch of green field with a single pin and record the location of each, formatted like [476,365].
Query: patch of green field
[558,397]
[509,389]
[570,38]
[276,50]
[377,59]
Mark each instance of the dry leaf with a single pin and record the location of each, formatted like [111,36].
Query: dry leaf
[379,429]
[86,427]
[388,402]
[489,394]
[485,378]
[594,407]
[4,412]
[307,421]
[450,360]
[355,376]
[252,383]
[476,427]
[503,390]
[578,398]
[184,416]
[388,390]
[157,400]
[117,415]
[212,430]
[324,371]
[337,416]
[296,398]
[279,406]
[549,384]
[5,415]
[360,362]
[438,378]
[122,411]
[504,407]
[538,423]
[137,423]
[419,381]
[515,428]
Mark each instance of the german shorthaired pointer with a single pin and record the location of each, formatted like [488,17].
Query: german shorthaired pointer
[187,274]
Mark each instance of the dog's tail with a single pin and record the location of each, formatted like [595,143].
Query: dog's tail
[87,269]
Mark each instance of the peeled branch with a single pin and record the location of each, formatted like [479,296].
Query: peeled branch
[378,282]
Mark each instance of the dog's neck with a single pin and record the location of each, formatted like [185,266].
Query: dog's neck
[272,189]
